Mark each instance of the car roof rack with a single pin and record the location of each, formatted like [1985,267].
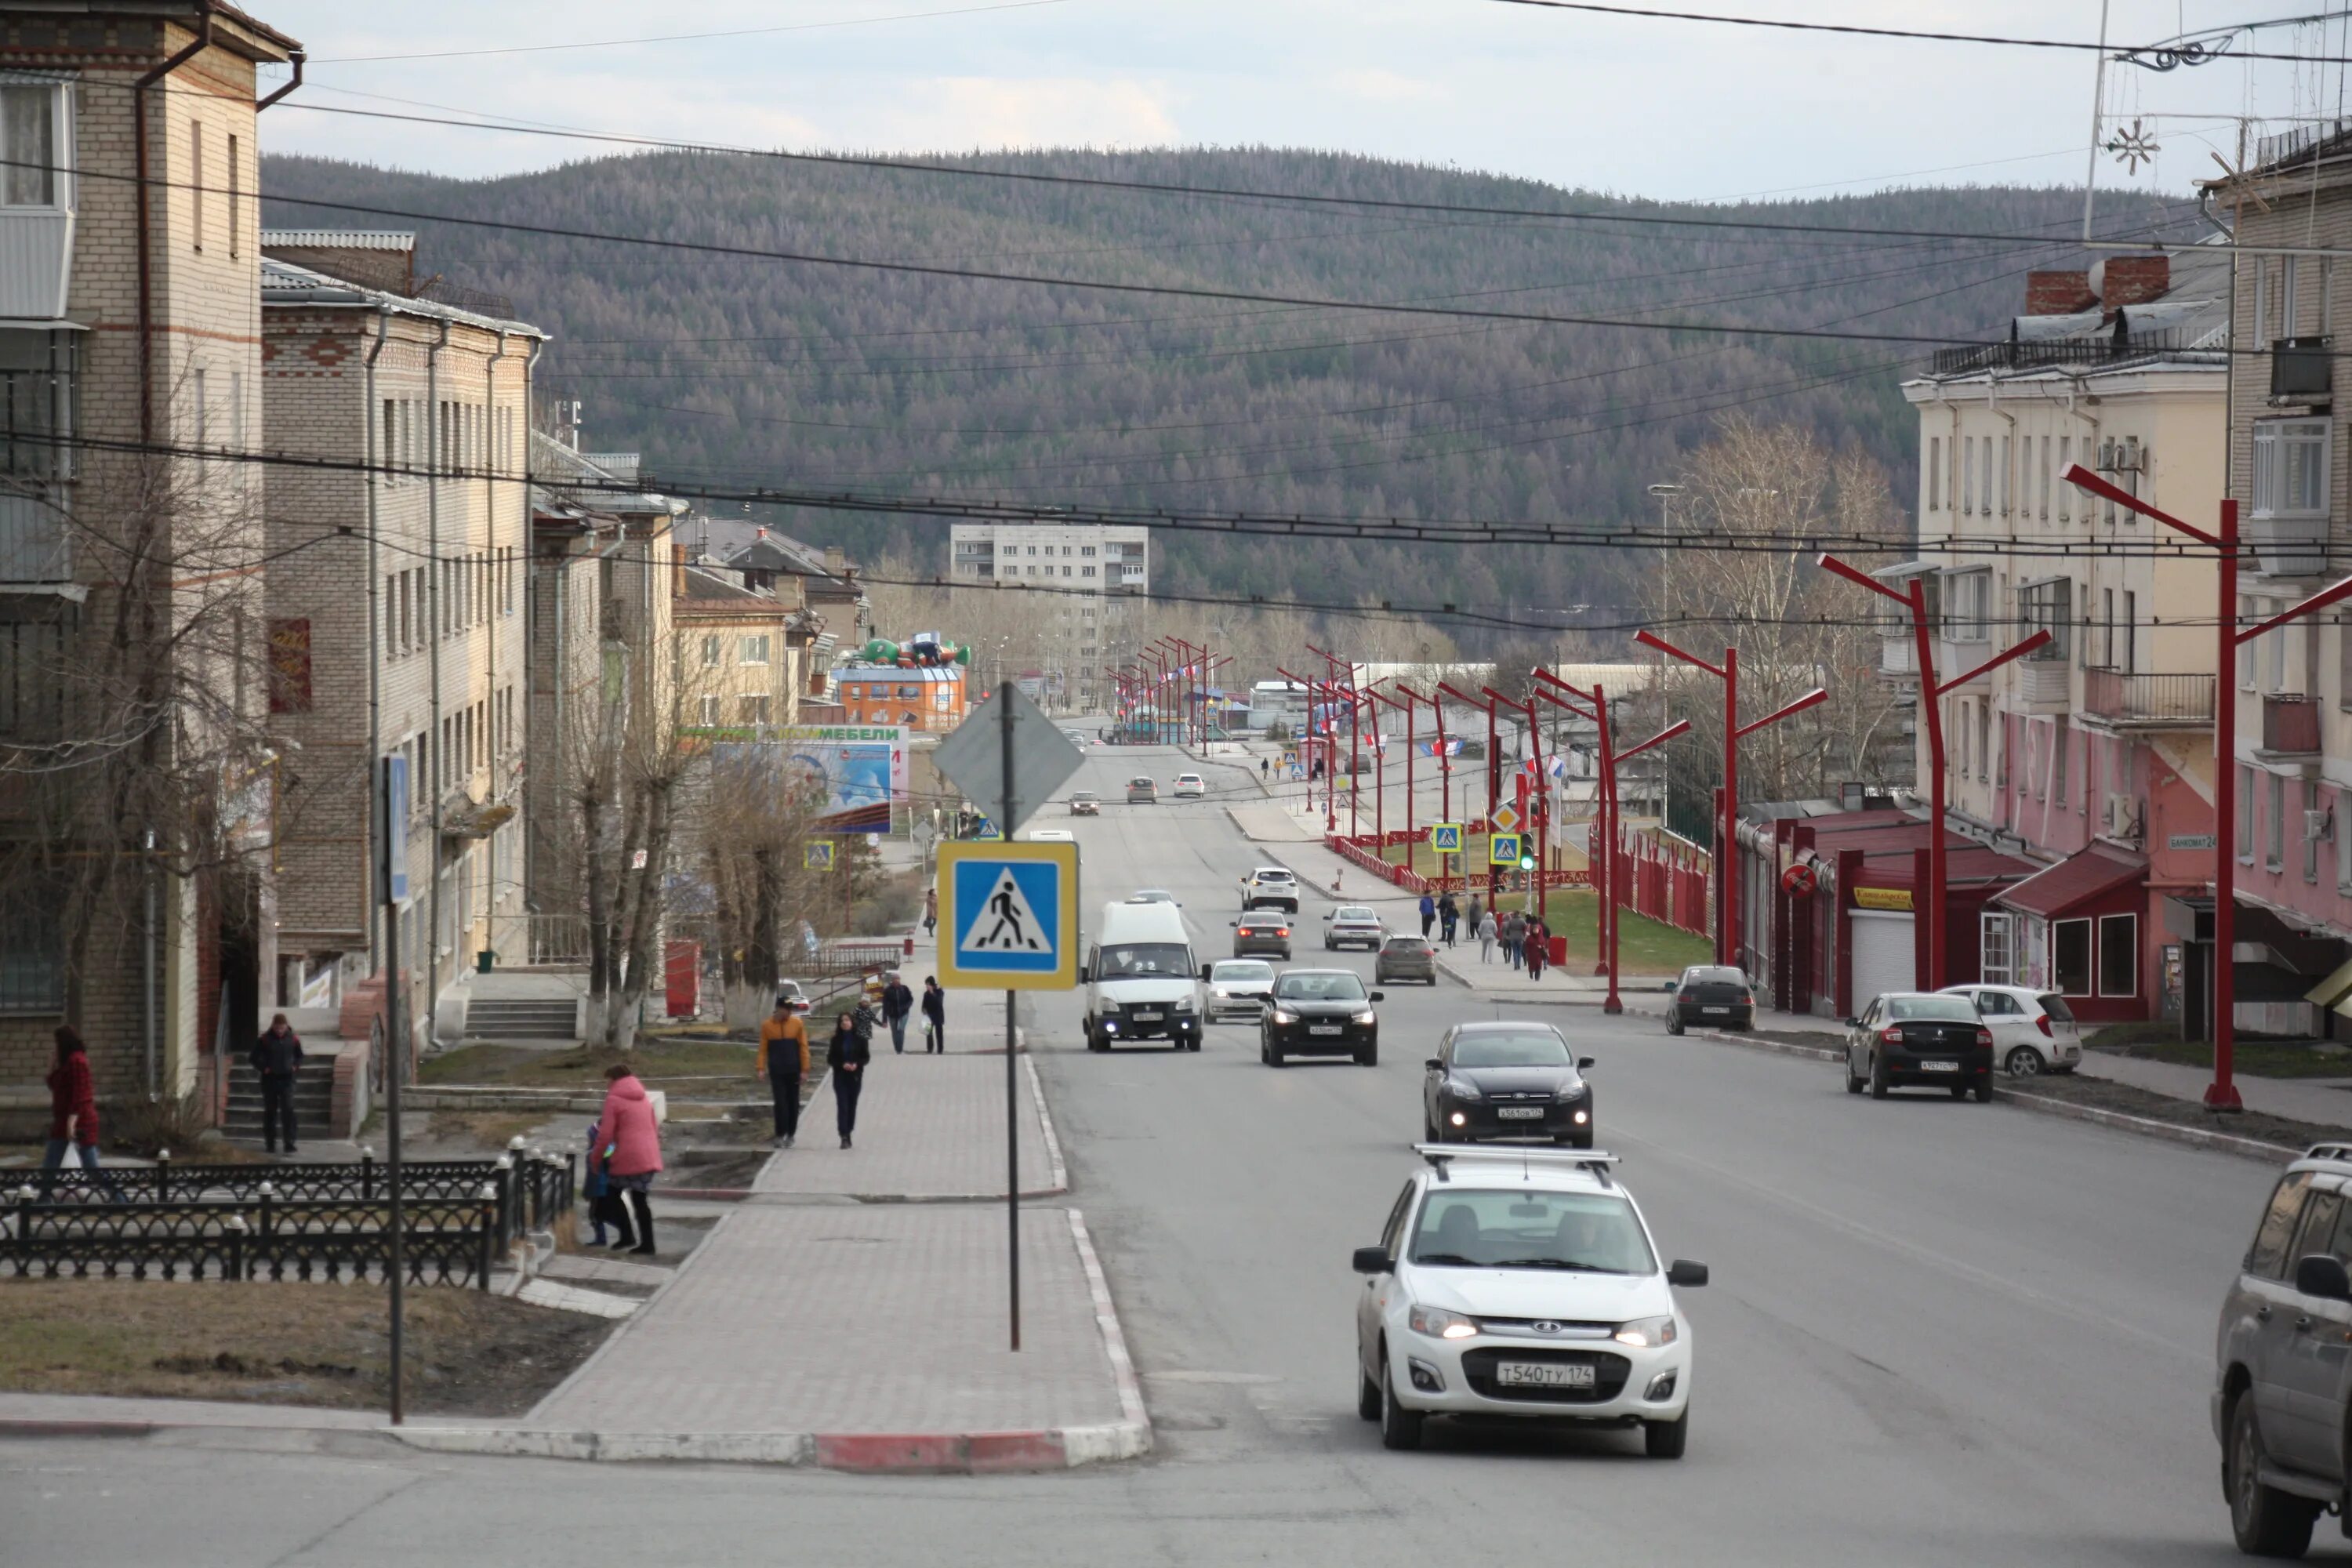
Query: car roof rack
[1443,1155]
[2329,1151]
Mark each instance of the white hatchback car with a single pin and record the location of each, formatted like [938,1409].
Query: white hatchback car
[1190,786]
[2032,1031]
[1513,1282]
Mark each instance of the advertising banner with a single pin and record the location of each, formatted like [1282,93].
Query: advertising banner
[858,770]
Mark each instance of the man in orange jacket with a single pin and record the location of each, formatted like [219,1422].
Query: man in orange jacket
[784,1060]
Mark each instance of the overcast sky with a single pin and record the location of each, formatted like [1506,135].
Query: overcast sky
[1650,108]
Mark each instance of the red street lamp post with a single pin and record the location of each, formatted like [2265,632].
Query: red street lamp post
[1330,750]
[1332,661]
[1727,851]
[1494,786]
[1445,771]
[1406,699]
[1932,693]
[1378,698]
[2222,1093]
[1539,798]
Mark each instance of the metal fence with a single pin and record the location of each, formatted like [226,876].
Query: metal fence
[300,1222]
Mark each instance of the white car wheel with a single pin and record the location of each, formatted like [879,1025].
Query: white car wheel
[2025,1061]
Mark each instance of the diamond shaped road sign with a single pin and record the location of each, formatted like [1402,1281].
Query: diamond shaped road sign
[1506,818]
[974,757]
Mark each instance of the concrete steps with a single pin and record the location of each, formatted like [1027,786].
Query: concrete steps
[523,1018]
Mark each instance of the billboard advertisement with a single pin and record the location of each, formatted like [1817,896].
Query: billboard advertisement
[858,770]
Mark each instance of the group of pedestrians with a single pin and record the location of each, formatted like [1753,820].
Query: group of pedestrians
[1451,921]
[784,1050]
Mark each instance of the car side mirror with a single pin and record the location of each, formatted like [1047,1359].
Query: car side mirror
[1085,974]
[1377,998]
[1433,1065]
[1372,1260]
[2323,1277]
[1204,972]
[1584,1064]
[1683,1274]
[1850,1022]
[1235,924]
[1669,985]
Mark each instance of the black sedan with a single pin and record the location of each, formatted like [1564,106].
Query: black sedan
[1320,1013]
[1928,1039]
[1262,936]
[1505,1080]
[1711,995]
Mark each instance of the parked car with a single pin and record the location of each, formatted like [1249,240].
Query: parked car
[1513,1284]
[1084,802]
[1711,994]
[1154,896]
[790,995]
[1239,987]
[1143,792]
[1271,887]
[1191,786]
[1503,1079]
[1405,957]
[1923,1038]
[1352,925]
[2279,1395]
[1263,936]
[1319,1011]
[2032,1031]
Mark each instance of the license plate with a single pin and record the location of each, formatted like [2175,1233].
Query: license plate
[1148,1017]
[1542,1375]
[1323,1029]
[1520,1112]
[1715,1009]
[1939,1067]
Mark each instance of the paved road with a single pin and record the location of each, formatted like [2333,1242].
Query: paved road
[1940,1334]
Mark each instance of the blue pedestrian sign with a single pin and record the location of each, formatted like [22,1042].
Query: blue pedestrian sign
[1503,849]
[1446,837]
[818,854]
[1011,913]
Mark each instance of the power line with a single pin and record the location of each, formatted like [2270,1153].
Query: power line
[689,37]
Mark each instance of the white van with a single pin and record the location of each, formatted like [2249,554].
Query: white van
[1141,980]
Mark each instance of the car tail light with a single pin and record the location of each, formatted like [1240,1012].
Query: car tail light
[2046,1029]
[1892,1036]
[1984,1037]
[1282,931]
[1745,1000]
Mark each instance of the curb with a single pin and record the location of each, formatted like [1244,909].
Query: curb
[1061,1174]
[2096,1116]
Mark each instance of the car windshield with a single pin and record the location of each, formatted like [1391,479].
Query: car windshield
[1950,1009]
[1188,778]
[1263,924]
[1274,877]
[1326,986]
[1408,944]
[1151,896]
[1354,914]
[1535,1048]
[1085,794]
[1134,958]
[1713,974]
[1230,973]
[1141,783]
[1469,1227]
[2055,1006]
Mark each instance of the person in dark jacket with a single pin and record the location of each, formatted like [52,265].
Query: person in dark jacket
[1449,916]
[847,1056]
[73,1111]
[935,1016]
[897,1005]
[865,1017]
[1428,913]
[276,1058]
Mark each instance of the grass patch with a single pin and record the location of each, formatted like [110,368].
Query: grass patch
[2258,1058]
[324,1345]
[582,1067]
[490,1129]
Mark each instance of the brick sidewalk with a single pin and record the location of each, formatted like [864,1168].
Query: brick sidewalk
[928,1127]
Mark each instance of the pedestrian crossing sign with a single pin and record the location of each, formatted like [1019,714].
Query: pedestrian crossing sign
[817,855]
[1012,915]
[1503,849]
[1446,837]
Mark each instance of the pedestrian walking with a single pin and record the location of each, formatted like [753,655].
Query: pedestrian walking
[628,1147]
[847,1056]
[897,1005]
[1488,931]
[1478,912]
[930,911]
[73,1111]
[1537,950]
[1515,939]
[935,1017]
[1265,769]
[1449,915]
[1428,914]
[783,1062]
[276,1058]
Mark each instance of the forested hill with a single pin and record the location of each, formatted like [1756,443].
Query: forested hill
[738,369]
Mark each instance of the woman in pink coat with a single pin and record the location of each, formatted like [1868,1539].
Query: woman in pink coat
[627,1149]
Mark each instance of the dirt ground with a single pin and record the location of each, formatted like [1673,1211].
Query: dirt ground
[659,1063]
[467,1353]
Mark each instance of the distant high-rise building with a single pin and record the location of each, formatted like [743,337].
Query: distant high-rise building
[1084,573]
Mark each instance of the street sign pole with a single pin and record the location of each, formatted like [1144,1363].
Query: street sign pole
[391,879]
[1011,1124]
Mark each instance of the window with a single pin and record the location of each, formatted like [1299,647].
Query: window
[2061,744]
[2287,312]
[2007,468]
[235,200]
[1968,607]
[197,181]
[2312,806]
[1968,473]
[2262,302]
[2069,956]
[1085,550]
[2065,492]
[2118,955]
[197,394]
[2267,1256]
[1996,959]
[2130,630]
[1933,476]
[2245,815]
[2050,607]
[2275,828]
[1984,741]
[2045,478]
[32,953]
[752,650]
[2343,840]
[29,141]
[1086,571]
[2290,468]
[714,650]
[37,405]
[752,710]
[1462,1227]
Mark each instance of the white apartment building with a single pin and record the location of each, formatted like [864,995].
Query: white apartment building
[1087,567]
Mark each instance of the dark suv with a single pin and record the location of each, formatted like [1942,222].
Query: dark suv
[2280,1385]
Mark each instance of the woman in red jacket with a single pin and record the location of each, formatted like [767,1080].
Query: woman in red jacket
[73,1109]
[628,1151]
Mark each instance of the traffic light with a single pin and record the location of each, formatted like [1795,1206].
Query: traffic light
[1527,862]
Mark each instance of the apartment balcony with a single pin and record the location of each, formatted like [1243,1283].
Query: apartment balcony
[2290,726]
[2116,700]
[2044,686]
[35,545]
[1899,658]
[2303,370]
[2287,546]
[1957,655]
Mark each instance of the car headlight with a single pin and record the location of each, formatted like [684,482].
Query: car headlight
[1440,1324]
[1461,1090]
[1183,1005]
[1285,1015]
[1363,1017]
[1646,1332]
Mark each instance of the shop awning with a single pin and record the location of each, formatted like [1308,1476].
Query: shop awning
[2077,879]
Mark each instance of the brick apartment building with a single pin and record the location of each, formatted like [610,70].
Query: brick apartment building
[396,609]
[130,319]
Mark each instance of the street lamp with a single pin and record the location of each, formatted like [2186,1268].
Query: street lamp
[1446,775]
[1931,695]
[2222,1093]
[1726,915]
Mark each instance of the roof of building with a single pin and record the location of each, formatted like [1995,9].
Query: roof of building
[941,674]
[285,284]
[578,478]
[338,239]
[711,590]
[2188,325]
[2077,879]
[769,551]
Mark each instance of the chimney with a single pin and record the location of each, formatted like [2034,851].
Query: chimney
[2058,293]
[833,561]
[2120,280]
